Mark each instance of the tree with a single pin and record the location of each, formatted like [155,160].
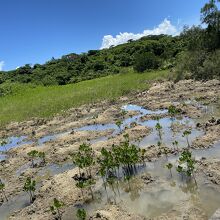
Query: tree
[145,61]
[210,15]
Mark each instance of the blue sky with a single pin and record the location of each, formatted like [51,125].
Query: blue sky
[34,31]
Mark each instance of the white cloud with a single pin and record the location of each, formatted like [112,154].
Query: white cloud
[2,63]
[164,28]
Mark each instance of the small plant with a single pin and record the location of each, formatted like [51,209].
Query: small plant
[30,187]
[2,189]
[55,208]
[186,164]
[175,145]
[172,110]
[165,151]
[119,124]
[33,154]
[186,134]
[169,166]
[81,214]
[159,129]
[123,113]
[84,159]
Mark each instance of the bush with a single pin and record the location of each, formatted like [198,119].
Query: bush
[199,65]
[145,61]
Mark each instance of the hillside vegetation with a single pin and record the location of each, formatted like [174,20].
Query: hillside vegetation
[39,101]
[152,52]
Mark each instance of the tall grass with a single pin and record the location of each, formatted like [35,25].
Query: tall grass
[47,101]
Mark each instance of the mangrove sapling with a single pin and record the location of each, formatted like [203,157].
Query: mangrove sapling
[165,151]
[179,169]
[175,145]
[186,134]
[123,113]
[84,159]
[173,111]
[159,129]
[119,124]
[189,163]
[33,154]
[30,187]
[55,208]
[169,166]
[81,214]
[2,190]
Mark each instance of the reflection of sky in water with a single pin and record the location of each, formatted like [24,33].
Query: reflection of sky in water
[158,199]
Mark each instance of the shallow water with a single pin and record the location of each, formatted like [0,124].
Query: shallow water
[168,136]
[50,169]
[54,169]
[159,198]
[18,202]
[165,194]
[15,142]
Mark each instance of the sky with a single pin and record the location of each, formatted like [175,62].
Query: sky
[34,31]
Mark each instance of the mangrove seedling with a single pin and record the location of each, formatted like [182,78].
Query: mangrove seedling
[33,154]
[30,187]
[159,129]
[123,113]
[169,166]
[172,110]
[165,151]
[179,169]
[84,158]
[2,189]
[55,208]
[175,145]
[81,214]
[188,162]
[186,134]
[119,124]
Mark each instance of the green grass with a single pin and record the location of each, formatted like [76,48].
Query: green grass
[47,101]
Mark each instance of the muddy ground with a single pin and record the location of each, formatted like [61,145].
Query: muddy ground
[196,100]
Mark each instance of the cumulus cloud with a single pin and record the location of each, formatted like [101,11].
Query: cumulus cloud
[2,63]
[163,28]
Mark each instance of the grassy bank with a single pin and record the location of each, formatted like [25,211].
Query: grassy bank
[47,101]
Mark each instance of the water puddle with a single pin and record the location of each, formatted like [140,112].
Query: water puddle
[16,203]
[54,169]
[168,135]
[48,170]
[158,198]
[13,142]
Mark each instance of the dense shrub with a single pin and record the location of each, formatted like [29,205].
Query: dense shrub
[145,61]
[198,65]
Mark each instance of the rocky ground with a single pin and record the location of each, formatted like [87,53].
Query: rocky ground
[187,95]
